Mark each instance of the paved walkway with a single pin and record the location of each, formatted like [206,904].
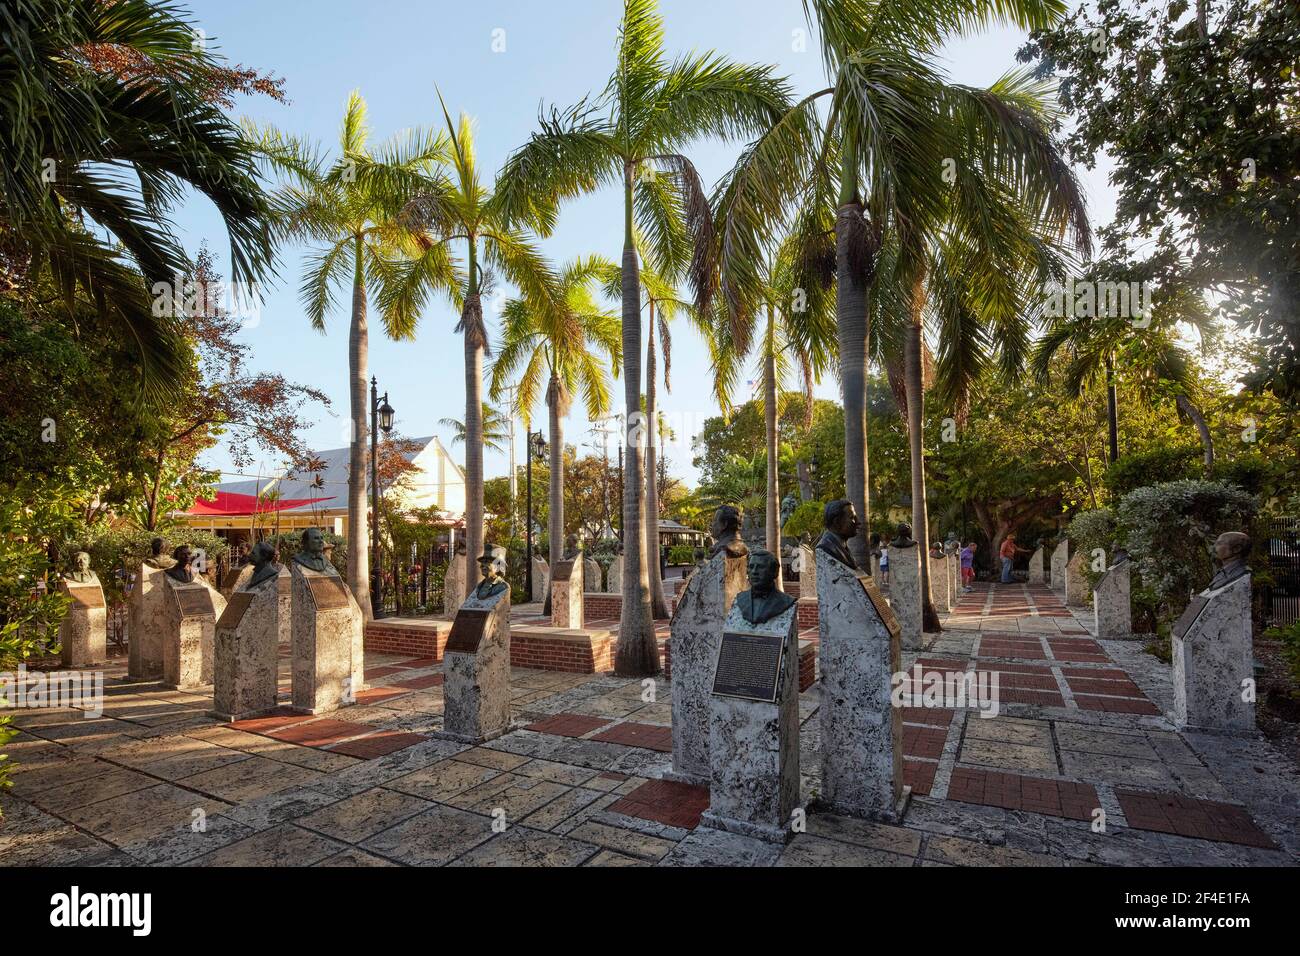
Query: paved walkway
[1078,768]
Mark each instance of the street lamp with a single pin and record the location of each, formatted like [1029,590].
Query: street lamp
[381,417]
[536,446]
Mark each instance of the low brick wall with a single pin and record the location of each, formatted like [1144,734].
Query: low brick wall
[597,606]
[807,613]
[419,637]
[574,652]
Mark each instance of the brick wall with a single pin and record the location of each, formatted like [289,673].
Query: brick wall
[577,654]
[422,637]
[597,606]
[807,613]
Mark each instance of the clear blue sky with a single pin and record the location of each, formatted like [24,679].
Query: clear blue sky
[394,52]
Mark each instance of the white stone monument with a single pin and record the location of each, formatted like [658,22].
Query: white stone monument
[190,632]
[591,575]
[246,673]
[1036,566]
[453,585]
[696,629]
[807,571]
[566,594]
[148,617]
[939,583]
[1060,558]
[614,576]
[905,593]
[1213,659]
[859,651]
[476,663]
[754,727]
[83,633]
[328,643]
[235,579]
[541,579]
[954,574]
[1077,591]
[1111,610]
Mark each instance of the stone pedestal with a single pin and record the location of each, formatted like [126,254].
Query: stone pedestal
[754,728]
[328,650]
[476,671]
[235,579]
[954,576]
[245,676]
[1213,659]
[807,571]
[696,634]
[905,593]
[1036,566]
[453,585]
[1060,558]
[939,582]
[566,595]
[83,634]
[148,618]
[190,634]
[614,576]
[1077,591]
[541,579]
[861,731]
[877,576]
[1110,604]
[591,575]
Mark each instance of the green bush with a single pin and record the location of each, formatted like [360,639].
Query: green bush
[1159,465]
[115,552]
[807,519]
[1289,636]
[1089,531]
[681,554]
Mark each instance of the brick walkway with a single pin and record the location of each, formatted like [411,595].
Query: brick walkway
[1079,767]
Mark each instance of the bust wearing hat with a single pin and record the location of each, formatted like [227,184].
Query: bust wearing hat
[492,564]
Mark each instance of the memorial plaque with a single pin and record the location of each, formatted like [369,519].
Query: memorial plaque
[232,578]
[235,608]
[194,601]
[86,597]
[327,591]
[563,571]
[886,613]
[467,630]
[1184,623]
[749,666]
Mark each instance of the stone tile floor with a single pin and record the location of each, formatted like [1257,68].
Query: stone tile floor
[1080,767]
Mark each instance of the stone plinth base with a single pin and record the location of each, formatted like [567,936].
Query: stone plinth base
[1213,660]
[1112,612]
[83,633]
[245,678]
[148,615]
[905,594]
[328,643]
[1077,592]
[566,595]
[188,643]
[476,671]
[1036,575]
[1060,558]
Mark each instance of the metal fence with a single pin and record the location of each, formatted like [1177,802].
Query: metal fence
[413,583]
[1282,597]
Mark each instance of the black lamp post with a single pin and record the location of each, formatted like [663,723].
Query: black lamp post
[381,417]
[536,448]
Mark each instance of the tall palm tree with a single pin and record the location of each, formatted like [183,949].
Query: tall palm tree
[872,159]
[462,209]
[351,210]
[496,428]
[564,349]
[84,148]
[633,136]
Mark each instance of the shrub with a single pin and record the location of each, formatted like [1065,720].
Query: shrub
[1289,637]
[1170,529]
[115,552]
[1092,530]
[807,519]
[681,554]
[1159,465]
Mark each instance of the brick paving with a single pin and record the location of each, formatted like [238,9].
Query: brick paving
[1078,766]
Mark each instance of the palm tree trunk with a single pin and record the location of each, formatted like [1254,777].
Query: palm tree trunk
[658,605]
[851,324]
[637,653]
[772,519]
[1186,406]
[1112,410]
[915,418]
[473,324]
[358,353]
[554,402]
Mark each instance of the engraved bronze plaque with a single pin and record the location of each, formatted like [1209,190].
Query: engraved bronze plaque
[1184,623]
[328,592]
[194,602]
[86,597]
[467,630]
[749,666]
[886,613]
[235,608]
[563,571]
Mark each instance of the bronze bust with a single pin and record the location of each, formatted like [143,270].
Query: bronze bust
[1231,548]
[264,566]
[492,564]
[312,552]
[841,520]
[764,600]
[180,569]
[156,557]
[903,538]
[81,573]
[726,533]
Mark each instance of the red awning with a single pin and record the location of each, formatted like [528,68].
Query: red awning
[230,505]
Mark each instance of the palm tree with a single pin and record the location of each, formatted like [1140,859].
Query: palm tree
[496,428]
[564,348]
[351,208]
[872,160]
[651,110]
[84,147]
[462,209]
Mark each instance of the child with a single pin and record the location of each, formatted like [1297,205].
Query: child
[968,567]
[884,564]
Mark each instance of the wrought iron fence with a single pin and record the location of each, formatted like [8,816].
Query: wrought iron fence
[1281,597]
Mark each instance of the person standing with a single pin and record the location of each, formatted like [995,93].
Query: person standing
[884,563]
[968,567]
[1008,553]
